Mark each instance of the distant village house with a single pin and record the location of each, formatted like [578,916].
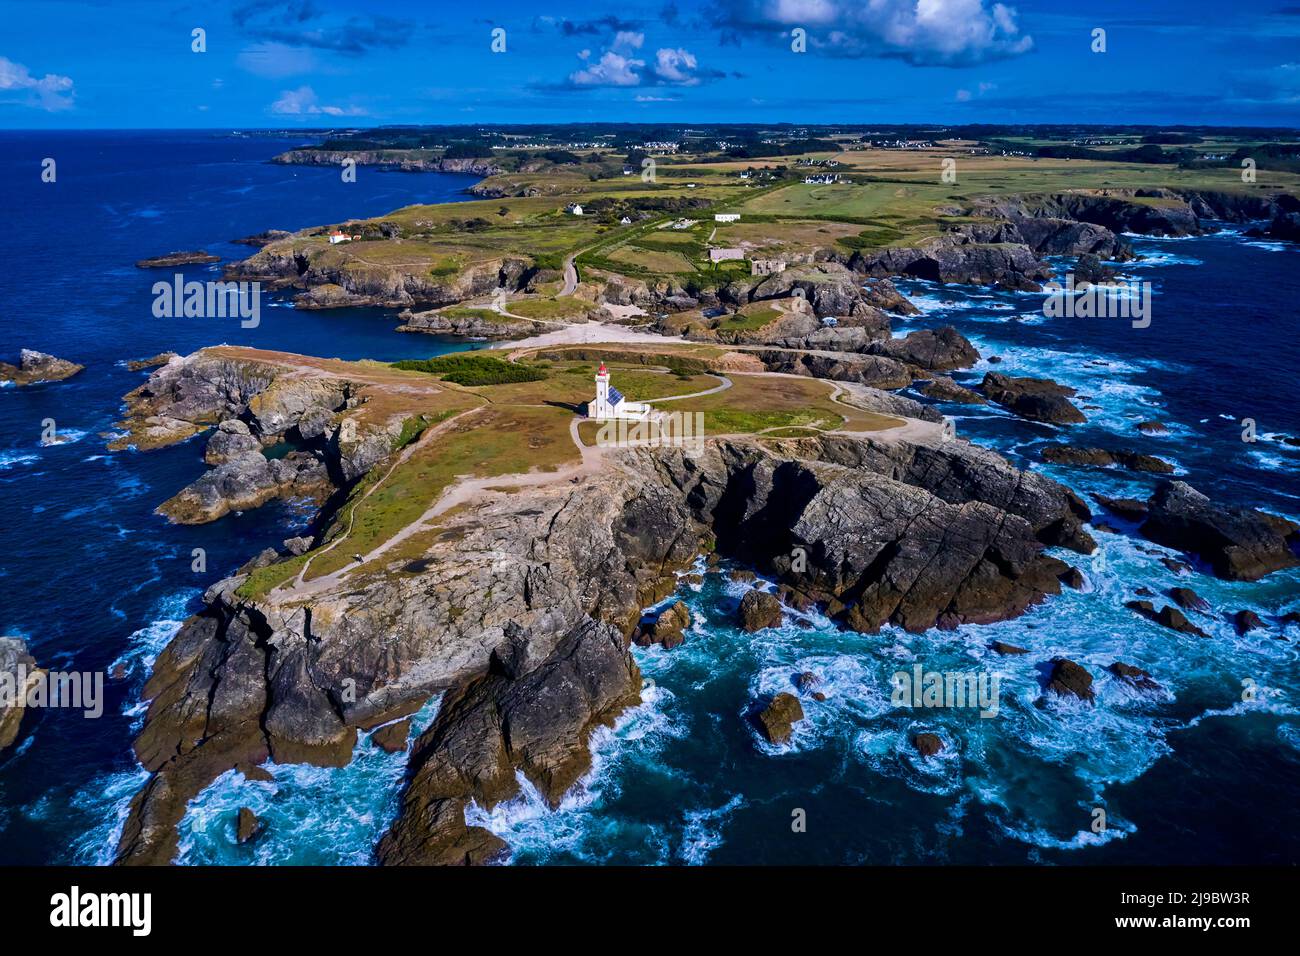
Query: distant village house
[727,216]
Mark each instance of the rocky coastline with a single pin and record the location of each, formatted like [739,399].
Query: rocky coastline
[953,534]
[1000,242]
[399,160]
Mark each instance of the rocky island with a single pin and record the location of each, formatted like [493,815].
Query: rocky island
[35,367]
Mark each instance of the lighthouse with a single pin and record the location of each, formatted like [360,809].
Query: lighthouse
[602,409]
[610,403]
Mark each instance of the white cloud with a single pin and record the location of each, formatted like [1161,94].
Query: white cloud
[676,67]
[923,32]
[303,102]
[672,67]
[51,92]
[613,69]
[629,39]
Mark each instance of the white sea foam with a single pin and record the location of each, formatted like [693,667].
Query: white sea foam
[310,815]
[11,458]
[703,832]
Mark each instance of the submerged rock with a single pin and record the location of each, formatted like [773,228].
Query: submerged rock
[927,745]
[1070,679]
[1246,621]
[391,738]
[667,629]
[777,719]
[1104,458]
[1133,676]
[806,682]
[248,825]
[759,609]
[1167,616]
[1189,600]
[1004,648]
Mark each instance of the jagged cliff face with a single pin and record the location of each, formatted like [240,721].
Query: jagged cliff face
[521,607]
[1161,212]
[1007,250]
[332,278]
[250,406]
[335,276]
[387,159]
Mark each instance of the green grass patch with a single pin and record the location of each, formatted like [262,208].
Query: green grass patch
[263,581]
[470,312]
[749,318]
[472,369]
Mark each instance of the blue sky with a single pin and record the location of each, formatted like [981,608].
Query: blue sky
[301,63]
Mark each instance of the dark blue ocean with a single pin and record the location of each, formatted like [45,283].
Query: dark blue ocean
[87,573]
[1207,770]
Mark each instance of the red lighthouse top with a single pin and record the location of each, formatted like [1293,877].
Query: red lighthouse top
[602,370]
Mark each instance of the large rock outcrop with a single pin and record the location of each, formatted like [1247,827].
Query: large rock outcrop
[256,404]
[18,674]
[35,367]
[338,276]
[1239,544]
[470,323]
[876,371]
[1038,399]
[935,350]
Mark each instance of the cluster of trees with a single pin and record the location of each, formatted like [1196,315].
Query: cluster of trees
[757,150]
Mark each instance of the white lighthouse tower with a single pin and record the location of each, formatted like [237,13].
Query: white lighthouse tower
[610,403]
[602,410]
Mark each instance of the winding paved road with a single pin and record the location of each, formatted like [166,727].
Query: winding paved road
[570,277]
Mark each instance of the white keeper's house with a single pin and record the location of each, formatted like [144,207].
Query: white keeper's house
[610,403]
